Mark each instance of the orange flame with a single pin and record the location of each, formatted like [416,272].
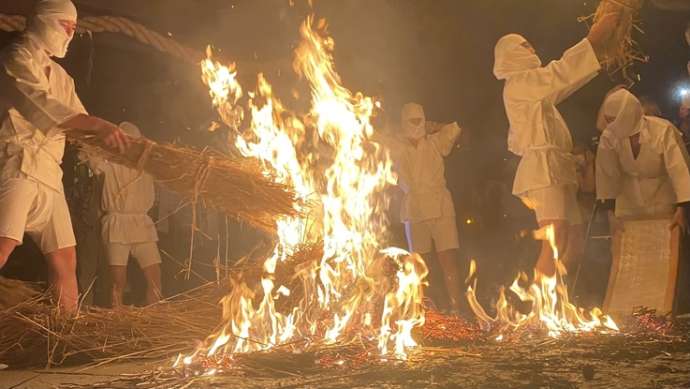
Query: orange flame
[341,190]
[551,307]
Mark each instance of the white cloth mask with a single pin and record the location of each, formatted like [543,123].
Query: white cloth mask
[411,113]
[45,26]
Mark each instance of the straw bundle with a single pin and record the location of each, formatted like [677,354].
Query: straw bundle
[622,50]
[238,188]
[33,333]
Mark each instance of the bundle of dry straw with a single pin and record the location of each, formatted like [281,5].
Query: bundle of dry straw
[238,188]
[622,50]
[33,333]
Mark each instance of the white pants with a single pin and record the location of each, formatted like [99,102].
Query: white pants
[554,203]
[28,206]
[443,232]
[145,253]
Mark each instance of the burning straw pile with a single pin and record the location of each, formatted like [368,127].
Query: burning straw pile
[34,333]
[622,50]
[238,188]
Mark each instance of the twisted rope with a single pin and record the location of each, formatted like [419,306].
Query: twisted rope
[633,5]
[120,25]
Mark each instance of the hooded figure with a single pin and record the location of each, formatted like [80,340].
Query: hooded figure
[641,162]
[37,97]
[126,228]
[418,158]
[427,208]
[546,179]
[537,132]
[46,25]
[513,56]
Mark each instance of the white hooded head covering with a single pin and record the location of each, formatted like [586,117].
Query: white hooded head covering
[130,129]
[628,116]
[627,112]
[511,57]
[45,25]
[411,111]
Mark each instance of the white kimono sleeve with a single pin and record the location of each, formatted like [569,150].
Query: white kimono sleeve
[28,91]
[444,140]
[677,164]
[561,78]
[609,176]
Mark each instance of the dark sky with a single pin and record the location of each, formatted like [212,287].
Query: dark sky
[436,52]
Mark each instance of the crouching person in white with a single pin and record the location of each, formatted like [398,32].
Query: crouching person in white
[127,229]
[37,101]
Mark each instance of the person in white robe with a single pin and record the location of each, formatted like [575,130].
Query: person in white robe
[126,228]
[427,209]
[642,165]
[37,101]
[546,179]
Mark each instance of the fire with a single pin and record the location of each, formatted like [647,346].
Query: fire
[551,308]
[353,288]
[340,175]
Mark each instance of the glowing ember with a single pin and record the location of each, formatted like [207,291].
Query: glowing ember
[551,308]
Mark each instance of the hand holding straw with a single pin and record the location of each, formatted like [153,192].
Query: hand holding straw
[611,35]
[239,188]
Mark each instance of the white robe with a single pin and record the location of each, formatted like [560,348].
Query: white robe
[652,184]
[421,174]
[538,132]
[128,195]
[36,96]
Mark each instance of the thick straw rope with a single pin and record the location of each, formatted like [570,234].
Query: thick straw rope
[624,4]
[120,25]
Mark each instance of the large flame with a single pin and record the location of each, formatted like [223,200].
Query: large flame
[340,175]
[551,308]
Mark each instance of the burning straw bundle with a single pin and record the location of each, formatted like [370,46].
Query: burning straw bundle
[33,333]
[238,188]
[622,49]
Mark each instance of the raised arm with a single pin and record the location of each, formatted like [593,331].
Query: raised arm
[559,79]
[446,136]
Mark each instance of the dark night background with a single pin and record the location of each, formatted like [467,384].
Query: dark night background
[436,52]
